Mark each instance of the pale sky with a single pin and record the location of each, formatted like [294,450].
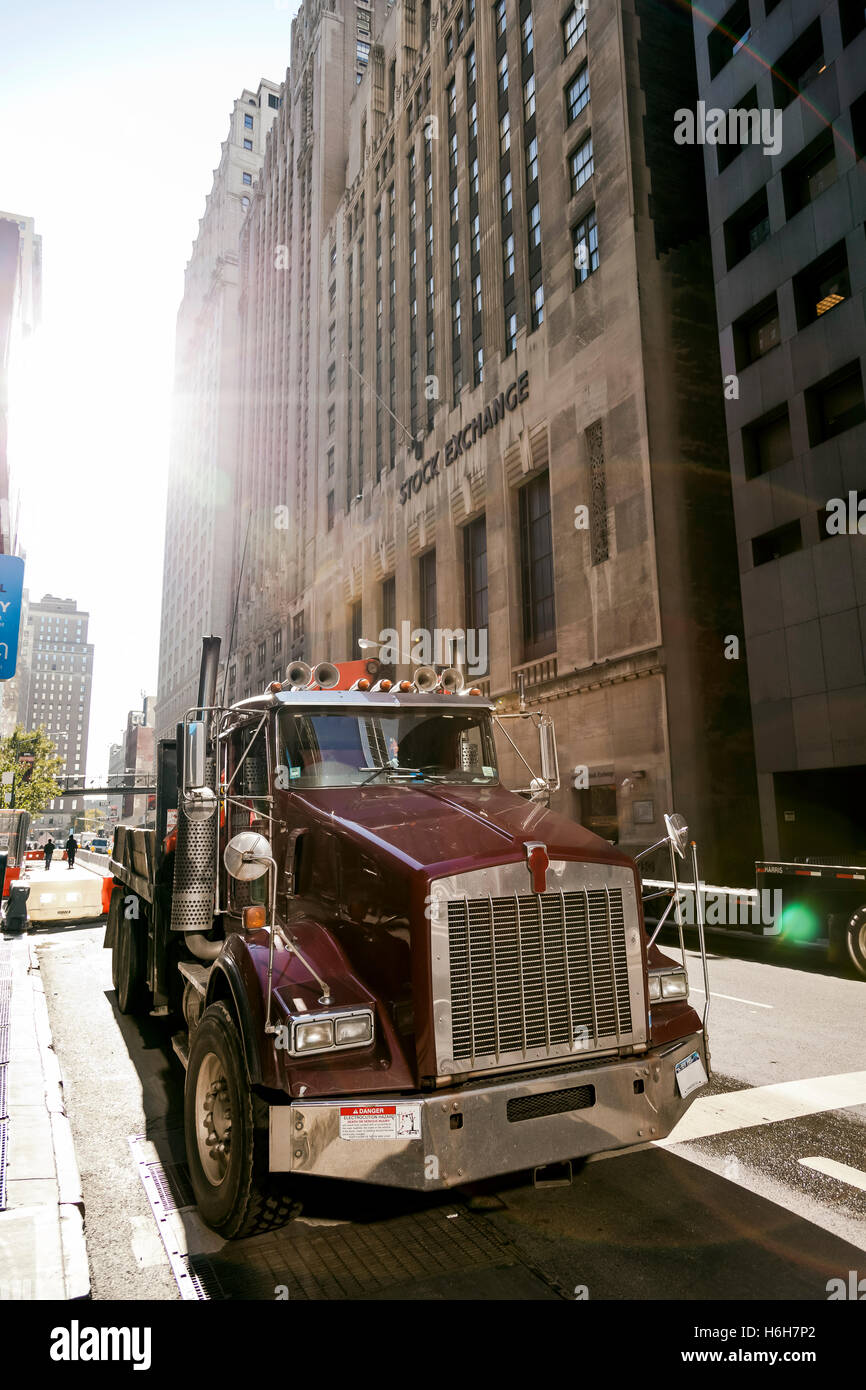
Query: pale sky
[111,121]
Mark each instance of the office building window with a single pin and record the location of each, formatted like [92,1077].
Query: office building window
[773,545]
[799,66]
[585,242]
[581,164]
[500,18]
[505,134]
[510,331]
[822,285]
[248,122]
[536,291]
[767,443]
[427,589]
[809,174]
[598,527]
[475,578]
[747,228]
[248,178]
[534,219]
[527,37]
[508,257]
[529,98]
[577,93]
[507,194]
[573,27]
[835,404]
[536,555]
[532,161]
[757,332]
[248,144]
[729,35]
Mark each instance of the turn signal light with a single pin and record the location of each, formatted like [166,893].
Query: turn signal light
[364,685]
[405,686]
[254,918]
[385,685]
[475,690]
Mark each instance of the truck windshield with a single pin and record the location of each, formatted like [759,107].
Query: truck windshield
[347,749]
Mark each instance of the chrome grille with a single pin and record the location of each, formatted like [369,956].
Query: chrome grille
[538,975]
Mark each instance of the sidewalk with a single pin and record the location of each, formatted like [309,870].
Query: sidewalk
[42,1249]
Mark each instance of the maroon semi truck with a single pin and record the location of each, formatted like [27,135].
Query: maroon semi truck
[390,968]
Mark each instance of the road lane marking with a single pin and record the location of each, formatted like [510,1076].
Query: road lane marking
[696,989]
[762,1105]
[853,1176]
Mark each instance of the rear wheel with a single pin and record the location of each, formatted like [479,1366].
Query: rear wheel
[857,939]
[226,1130]
[129,966]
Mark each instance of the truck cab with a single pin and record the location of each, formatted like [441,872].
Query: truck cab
[391,968]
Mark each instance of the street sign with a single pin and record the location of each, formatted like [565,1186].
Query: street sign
[7,779]
[11,589]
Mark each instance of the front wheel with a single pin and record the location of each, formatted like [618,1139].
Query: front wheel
[857,939]
[226,1131]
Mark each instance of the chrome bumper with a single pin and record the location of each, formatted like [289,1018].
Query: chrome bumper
[475,1132]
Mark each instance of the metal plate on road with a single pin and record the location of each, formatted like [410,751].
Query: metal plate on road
[444,1253]
[4,1134]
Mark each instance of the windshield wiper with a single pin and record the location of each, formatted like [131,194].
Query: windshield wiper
[389,768]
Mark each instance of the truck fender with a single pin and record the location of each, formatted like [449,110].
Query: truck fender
[225,983]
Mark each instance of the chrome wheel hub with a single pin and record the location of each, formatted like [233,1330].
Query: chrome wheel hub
[213,1120]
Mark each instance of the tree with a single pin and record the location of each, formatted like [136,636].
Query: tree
[35,782]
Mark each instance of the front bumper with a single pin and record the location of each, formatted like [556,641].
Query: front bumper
[430,1141]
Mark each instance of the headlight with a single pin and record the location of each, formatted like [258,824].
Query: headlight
[668,984]
[310,1037]
[331,1031]
[355,1030]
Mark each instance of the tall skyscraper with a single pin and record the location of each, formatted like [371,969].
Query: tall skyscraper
[139,751]
[198,536]
[787,204]
[482,388]
[59,687]
[20,313]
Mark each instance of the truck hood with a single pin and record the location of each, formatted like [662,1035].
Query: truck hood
[445,829]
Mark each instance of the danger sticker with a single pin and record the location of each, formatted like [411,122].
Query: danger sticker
[380,1122]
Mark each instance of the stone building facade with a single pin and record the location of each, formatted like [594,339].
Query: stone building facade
[789,258]
[200,507]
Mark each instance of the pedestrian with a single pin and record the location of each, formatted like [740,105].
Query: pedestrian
[48,849]
[71,847]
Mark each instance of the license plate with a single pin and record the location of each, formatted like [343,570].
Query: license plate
[690,1075]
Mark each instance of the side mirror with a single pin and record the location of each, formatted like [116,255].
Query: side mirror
[678,832]
[194,754]
[548,754]
[247,856]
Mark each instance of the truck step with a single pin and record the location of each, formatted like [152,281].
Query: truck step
[198,975]
[180,1043]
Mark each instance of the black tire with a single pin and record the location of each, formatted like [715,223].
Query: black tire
[129,965]
[240,1197]
[857,939]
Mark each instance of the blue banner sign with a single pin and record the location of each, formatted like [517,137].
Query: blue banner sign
[11,590]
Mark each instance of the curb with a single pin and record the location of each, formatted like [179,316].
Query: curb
[70,1196]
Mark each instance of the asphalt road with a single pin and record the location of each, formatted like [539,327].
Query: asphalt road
[760,1193]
